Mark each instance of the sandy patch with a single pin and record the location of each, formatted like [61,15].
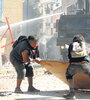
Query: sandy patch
[51,87]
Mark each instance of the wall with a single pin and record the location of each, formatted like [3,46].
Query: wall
[13,10]
[65,4]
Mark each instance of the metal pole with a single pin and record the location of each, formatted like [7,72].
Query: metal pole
[10,29]
[27,16]
[1,10]
[87,6]
[51,19]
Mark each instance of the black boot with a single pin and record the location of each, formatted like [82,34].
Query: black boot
[71,95]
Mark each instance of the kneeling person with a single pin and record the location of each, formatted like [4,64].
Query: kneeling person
[78,62]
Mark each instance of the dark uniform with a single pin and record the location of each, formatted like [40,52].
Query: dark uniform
[78,62]
[17,60]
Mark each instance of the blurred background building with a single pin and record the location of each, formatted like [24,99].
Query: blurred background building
[44,29]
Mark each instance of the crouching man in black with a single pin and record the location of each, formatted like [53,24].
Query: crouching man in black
[21,56]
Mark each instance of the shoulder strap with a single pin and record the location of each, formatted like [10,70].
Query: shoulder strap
[20,39]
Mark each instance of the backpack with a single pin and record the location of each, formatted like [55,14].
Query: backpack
[20,39]
[78,50]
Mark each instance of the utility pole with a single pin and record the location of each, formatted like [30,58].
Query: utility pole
[27,16]
[87,6]
[1,8]
[51,18]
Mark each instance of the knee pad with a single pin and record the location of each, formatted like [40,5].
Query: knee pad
[29,71]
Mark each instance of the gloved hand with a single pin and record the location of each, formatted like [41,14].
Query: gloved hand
[37,60]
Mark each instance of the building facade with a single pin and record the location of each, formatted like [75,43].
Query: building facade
[66,4]
[1,9]
[13,10]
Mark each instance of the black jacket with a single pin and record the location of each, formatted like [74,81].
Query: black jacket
[20,47]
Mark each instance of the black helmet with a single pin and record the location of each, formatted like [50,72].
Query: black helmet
[78,38]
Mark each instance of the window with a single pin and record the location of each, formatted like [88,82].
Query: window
[79,4]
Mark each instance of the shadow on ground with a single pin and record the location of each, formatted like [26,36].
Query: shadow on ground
[54,95]
[5,93]
[44,95]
